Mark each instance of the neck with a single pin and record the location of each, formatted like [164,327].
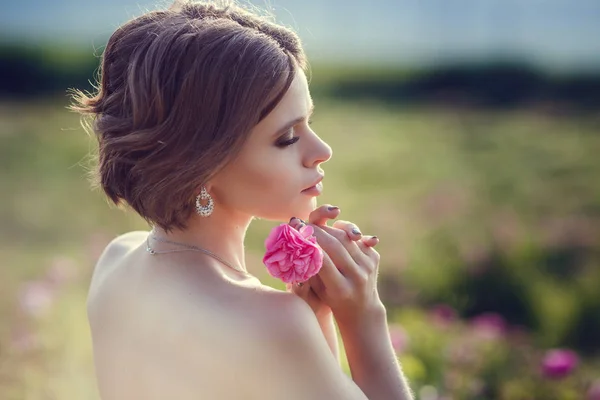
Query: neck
[222,233]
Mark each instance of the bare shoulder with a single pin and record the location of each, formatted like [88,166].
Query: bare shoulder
[116,250]
[123,244]
[279,351]
[112,257]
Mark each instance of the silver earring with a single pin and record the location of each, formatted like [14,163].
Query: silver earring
[204,211]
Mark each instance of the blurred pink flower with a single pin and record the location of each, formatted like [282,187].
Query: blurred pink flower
[559,363]
[35,297]
[24,340]
[399,338]
[594,391]
[443,315]
[461,352]
[62,270]
[489,325]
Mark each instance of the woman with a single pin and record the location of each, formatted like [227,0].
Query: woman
[202,118]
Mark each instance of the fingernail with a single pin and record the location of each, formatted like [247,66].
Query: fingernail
[356,231]
[331,208]
[292,219]
[374,237]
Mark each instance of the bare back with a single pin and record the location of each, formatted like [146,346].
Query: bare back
[141,311]
[183,331]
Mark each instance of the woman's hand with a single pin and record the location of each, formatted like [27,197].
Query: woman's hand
[319,217]
[347,281]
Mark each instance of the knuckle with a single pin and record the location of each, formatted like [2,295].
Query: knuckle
[376,256]
[371,268]
[336,233]
[340,223]
[342,236]
[373,254]
[362,277]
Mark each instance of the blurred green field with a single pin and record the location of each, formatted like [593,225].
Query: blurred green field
[482,211]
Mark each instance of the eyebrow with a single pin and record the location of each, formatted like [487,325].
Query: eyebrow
[287,126]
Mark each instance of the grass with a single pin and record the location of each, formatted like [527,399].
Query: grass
[440,187]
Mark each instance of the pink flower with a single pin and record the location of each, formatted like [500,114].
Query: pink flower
[559,363]
[443,315]
[62,270]
[399,338]
[292,256]
[24,340]
[489,325]
[36,297]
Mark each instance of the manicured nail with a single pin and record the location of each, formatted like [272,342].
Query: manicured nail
[356,231]
[291,219]
[331,208]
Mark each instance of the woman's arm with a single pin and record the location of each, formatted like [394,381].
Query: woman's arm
[327,324]
[323,314]
[372,359]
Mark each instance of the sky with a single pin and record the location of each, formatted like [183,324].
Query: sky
[552,34]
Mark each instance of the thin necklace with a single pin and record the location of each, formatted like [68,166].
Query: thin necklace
[187,247]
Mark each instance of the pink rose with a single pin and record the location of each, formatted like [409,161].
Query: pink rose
[559,363]
[292,256]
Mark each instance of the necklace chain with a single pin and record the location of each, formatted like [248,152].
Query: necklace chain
[186,247]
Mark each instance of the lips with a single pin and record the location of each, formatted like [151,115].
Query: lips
[315,183]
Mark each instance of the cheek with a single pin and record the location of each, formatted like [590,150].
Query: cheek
[271,190]
[273,180]
[266,179]
[266,184]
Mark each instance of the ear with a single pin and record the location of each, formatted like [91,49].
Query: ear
[208,185]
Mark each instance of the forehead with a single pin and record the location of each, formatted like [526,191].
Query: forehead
[296,103]
[297,94]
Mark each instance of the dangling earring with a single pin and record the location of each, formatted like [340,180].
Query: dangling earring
[204,211]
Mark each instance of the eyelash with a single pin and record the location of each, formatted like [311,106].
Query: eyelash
[292,140]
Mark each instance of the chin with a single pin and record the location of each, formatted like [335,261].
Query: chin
[304,212]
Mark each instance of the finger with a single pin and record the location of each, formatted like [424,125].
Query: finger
[301,289]
[317,285]
[323,213]
[351,229]
[370,241]
[348,244]
[330,274]
[335,256]
[342,237]
[296,223]
[369,251]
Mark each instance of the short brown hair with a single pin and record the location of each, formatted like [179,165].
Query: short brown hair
[178,92]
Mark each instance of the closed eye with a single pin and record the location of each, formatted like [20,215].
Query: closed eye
[292,140]
[288,142]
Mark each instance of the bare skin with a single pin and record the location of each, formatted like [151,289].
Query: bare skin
[184,326]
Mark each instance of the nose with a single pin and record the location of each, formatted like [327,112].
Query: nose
[320,152]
